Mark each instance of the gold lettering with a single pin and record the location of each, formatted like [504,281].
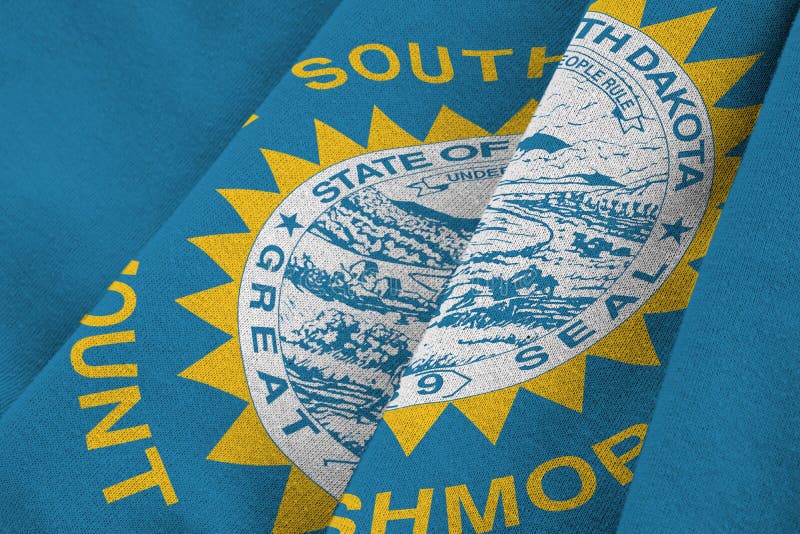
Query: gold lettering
[125,311]
[616,465]
[358,65]
[343,524]
[102,371]
[543,501]
[538,59]
[421,513]
[458,495]
[157,476]
[301,70]
[125,399]
[445,65]
[487,58]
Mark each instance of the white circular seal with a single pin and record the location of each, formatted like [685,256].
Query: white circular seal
[600,202]
[340,284]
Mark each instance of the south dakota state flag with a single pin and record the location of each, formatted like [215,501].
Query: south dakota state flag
[154,413]
[529,396]
[440,281]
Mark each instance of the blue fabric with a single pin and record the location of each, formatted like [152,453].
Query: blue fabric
[125,141]
[43,434]
[721,453]
[455,452]
[111,112]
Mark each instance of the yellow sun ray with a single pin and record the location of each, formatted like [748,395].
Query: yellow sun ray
[229,251]
[384,133]
[310,500]
[733,125]
[715,77]
[520,120]
[289,172]
[334,146]
[630,342]
[221,369]
[725,173]
[450,125]
[246,443]
[410,424]
[488,412]
[304,506]
[250,205]
[699,247]
[216,306]
[629,11]
[131,269]
[563,384]
[678,36]
[250,120]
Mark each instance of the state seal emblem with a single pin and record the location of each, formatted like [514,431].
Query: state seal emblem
[341,282]
[596,218]
[332,287]
[612,193]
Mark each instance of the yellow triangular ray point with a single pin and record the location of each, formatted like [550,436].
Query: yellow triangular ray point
[410,424]
[252,206]
[221,369]
[334,146]
[562,385]
[724,174]
[385,133]
[305,507]
[520,120]
[289,171]
[628,343]
[131,269]
[675,292]
[216,306]
[246,443]
[628,11]
[715,77]
[489,411]
[678,36]
[449,125]
[732,126]
[253,118]
[705,231]
[229,251]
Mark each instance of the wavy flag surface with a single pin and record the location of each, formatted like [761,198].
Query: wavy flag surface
[529,395]
[435,283]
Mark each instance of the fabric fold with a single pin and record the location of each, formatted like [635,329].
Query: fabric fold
[111,114]
[237,366]
[722,447]
[529,396]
